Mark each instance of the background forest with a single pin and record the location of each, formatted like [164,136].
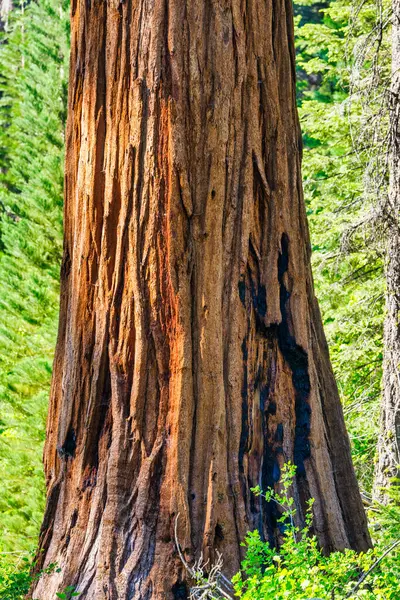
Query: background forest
[341,47]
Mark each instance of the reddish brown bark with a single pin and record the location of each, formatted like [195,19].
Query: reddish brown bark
[191,361]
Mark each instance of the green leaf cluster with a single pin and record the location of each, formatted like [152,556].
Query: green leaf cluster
[300,570]
[17,579]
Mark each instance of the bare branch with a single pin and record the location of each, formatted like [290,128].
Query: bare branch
[208,586]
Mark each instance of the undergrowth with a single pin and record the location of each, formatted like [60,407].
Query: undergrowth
[300,570]
[17,578]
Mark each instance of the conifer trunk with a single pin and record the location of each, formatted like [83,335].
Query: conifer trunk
[191,361]
[389,436]
[5,8]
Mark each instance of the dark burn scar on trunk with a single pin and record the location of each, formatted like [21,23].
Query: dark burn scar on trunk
[180,591]
[259,298]
[245,409]
[253,296]
[297,360]
[242,290]
[279,433]
[67,450]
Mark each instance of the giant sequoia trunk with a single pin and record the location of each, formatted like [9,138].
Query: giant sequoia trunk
[389,438]
[191,362]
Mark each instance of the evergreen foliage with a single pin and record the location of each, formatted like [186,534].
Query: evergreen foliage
[347,252]
[33,73]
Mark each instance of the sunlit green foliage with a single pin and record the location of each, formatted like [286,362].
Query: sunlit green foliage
[347,254]
[300,569]
[16,577]
[33,71]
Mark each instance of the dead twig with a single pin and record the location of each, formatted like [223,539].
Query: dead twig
[208,585]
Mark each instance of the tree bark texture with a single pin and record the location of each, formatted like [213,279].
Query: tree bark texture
[191,361]
[389,437]
[5,8]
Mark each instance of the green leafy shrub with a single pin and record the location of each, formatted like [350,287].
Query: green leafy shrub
[300,570]
[16,579]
